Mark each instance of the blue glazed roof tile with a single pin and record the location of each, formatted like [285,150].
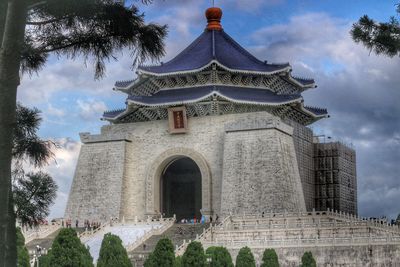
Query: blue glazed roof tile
[214,45]
[317,111]
[113,113]
[304,81]
[123,83]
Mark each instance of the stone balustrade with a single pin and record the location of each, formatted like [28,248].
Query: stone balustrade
[84,236]
[166,224]
[39,232]
[303,242]
[290,230]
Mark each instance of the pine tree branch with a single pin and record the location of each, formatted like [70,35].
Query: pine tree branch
[39,23]
[64,46]
[27,200]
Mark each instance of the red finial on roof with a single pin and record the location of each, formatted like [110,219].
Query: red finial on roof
[214,15]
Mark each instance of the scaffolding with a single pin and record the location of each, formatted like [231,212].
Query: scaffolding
[335,177]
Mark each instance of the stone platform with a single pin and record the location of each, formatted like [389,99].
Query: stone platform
[335,239]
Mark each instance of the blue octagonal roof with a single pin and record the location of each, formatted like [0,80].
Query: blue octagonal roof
[217,46]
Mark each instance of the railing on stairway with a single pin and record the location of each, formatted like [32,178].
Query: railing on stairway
[181,249]
[166,224]
[39,232]
[90,232]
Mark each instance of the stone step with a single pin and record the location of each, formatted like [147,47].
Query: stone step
[176,233]
[44,243]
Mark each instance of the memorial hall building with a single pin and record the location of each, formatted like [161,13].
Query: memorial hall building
[214,131]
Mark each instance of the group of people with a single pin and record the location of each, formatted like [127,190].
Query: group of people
[194,220]
[88,225]
[68,223]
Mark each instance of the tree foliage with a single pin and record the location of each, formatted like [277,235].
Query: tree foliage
[163,254]
[67,251]
[308,260]
[22,251]
[178,261]
[270,258]
[33,192]
[113,253]
[245,258]
[220,257]
[149,262]
[92,29]
[27,145]
[44,261]
[379,37]
[210,251]
[33,196]
[194,255]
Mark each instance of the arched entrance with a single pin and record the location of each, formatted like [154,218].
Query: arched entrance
[180,189]
[160,165]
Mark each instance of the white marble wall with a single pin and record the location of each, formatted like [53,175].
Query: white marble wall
[117,170]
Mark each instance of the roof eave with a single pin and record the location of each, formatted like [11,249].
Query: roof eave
[216,93]
[283,69]
[112,119]
[134,84]
[121,89]
[314,115]
[300,84]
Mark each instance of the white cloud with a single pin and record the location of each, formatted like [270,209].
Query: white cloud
[62,170]
[91,109]
[250,6]
[53,111]
[64,76]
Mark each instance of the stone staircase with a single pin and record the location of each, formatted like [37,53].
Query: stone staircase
[45,242]
[176,233]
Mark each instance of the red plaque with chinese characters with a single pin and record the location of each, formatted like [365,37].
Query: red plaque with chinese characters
[177,120]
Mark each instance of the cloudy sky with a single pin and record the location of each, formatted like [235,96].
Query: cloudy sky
[360,90]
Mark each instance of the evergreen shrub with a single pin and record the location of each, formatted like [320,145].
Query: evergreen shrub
[270,258]
[113,253]
[245,258]
[194,255]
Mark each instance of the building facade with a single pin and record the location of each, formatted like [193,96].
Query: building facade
[214,131]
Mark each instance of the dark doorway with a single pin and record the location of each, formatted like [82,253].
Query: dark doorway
[181,189]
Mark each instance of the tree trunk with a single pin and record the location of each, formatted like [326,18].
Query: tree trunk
[3,13]
[12,41]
